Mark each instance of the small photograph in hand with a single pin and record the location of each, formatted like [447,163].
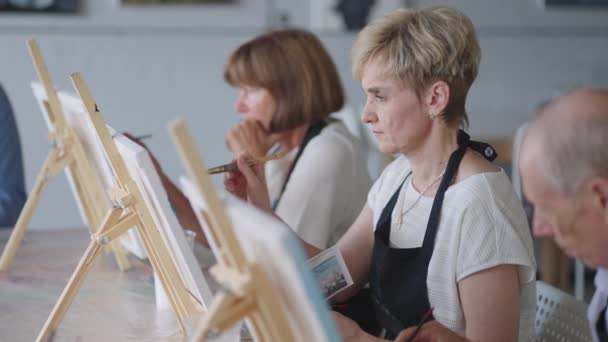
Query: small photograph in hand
[331,272]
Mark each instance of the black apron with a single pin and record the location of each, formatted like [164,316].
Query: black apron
[398,291]
[312,132]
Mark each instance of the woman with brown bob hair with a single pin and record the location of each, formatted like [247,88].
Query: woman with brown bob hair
[443,236]
[294,68]
[288,87]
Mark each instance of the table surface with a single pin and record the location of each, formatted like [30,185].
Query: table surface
[110,306]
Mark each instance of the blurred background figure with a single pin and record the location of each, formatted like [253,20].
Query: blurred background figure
[355,12]
[12,185]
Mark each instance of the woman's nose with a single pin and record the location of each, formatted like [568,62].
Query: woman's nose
[368,116]
[240,105]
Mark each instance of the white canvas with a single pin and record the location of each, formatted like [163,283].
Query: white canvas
[77,118]
[267,242]
[142,170]
[190,192]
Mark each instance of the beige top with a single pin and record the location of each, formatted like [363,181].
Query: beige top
[327,188]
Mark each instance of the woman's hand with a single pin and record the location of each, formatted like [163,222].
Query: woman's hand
[249,182]
[248,136]
[236,184]
[432,331]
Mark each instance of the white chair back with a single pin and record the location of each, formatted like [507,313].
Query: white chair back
[559,316]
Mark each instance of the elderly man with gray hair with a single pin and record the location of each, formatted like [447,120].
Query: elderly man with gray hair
[564,168]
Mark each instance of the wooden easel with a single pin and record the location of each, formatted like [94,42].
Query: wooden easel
[129,211]
[245,291]
[67,152]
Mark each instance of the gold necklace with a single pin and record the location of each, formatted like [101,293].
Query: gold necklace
[402,213]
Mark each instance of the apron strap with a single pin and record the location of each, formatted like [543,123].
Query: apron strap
[446,181]
[464,142]
[485,149]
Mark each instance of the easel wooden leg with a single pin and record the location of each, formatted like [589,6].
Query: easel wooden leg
[225,311]
[26,213]
[267,318]
[258,326]
[70,291]
[276,325]
[77,278]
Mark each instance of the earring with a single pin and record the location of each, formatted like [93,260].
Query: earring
[433,116]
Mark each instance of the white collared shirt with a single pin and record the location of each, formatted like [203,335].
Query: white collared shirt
[598,302]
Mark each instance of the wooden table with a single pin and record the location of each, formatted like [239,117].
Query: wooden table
[111,305]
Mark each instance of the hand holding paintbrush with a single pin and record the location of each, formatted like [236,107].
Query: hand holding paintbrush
[250,137]
[248,182]
[232,166]
[427,316]
[429,330]
[247,139]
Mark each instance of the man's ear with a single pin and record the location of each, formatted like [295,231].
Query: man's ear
[437,98]
[599,189]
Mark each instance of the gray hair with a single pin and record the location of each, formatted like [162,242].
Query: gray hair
[576,151]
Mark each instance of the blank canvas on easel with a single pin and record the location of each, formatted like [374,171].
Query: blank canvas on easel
[77,118]
[130,209]
[270,244]
[68,154]
[145,176]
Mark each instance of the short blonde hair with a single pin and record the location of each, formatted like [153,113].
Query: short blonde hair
[296,69]
[422,46]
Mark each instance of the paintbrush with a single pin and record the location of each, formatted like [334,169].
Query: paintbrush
[232,166]
[424,319]
[133,137]
[143,137]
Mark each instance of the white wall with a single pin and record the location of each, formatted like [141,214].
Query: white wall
[148,65]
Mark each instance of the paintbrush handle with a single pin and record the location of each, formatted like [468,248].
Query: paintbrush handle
[223,168]
[424,319]
[270,157]
[232,166]
[143,137]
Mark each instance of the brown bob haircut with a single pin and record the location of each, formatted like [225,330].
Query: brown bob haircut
[296,69]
